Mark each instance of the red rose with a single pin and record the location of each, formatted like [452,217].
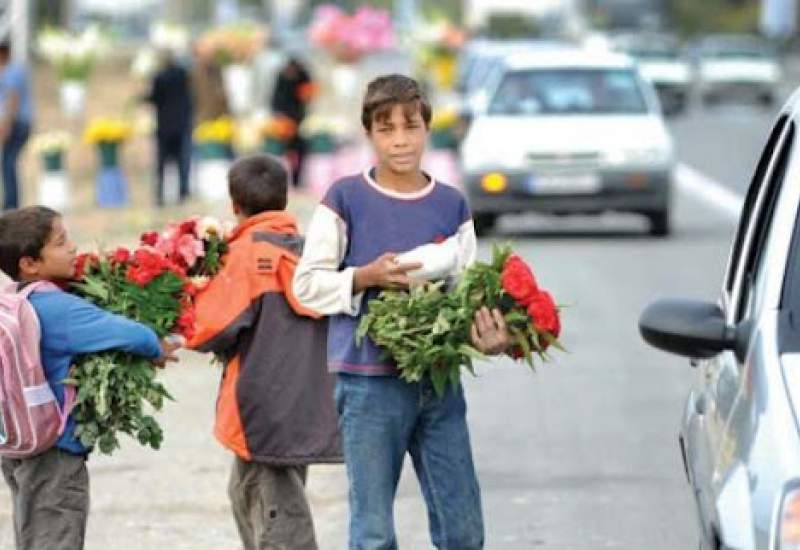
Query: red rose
[150,238]
[544,313]
[185,323]
[83,263]
[146,266]
[518,280]
[187,227]
[121,255]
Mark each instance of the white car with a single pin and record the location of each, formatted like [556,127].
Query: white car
[569,131]
[732,64]
[663,64]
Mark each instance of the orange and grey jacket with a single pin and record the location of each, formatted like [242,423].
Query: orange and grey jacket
[275,402]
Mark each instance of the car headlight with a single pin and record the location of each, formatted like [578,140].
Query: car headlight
[638,157]
[788,536]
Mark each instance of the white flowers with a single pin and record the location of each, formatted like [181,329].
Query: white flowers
[51,142]
[207,227]
[72,54]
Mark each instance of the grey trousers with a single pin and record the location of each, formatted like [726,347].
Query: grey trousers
[50,500]
[270,507]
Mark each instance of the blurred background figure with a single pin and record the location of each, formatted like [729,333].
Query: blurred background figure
[293,90]
[16,112]
[172,98]
[208,88]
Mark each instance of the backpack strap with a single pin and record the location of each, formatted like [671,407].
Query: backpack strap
[27,288]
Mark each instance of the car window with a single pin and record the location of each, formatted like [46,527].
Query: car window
[568,91]
[750,202]
[753,266]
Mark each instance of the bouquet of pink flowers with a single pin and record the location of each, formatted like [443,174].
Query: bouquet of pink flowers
[350,37]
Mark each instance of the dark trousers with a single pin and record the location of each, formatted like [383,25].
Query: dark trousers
[49,500]
[12,147]
[173,148]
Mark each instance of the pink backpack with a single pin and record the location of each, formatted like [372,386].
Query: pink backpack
[30,419]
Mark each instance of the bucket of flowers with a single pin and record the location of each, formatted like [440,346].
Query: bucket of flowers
[107,136]
[53,181]
[214,142]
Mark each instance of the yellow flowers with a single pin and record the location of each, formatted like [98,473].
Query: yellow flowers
[445,118]
[107,130]
[219,130]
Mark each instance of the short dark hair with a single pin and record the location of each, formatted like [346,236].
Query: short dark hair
[385,92]
[5,47]
[258,183]
[24,233]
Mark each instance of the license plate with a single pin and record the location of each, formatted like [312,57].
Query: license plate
[555,184]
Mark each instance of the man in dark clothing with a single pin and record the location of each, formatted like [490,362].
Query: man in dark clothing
[16,113]
[293,91]
[171,96]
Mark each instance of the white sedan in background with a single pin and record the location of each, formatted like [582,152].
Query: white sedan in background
[565,132]
[733,65]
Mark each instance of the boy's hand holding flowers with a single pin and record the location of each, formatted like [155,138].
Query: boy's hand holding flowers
[384,272]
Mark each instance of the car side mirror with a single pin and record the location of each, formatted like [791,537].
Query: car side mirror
[692,328]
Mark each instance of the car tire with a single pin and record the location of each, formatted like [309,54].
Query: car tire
[659,223]
[484,223]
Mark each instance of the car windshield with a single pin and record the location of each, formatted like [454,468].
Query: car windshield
[567,92]
[655,52]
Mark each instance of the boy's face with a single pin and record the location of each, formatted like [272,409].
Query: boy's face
[56,262]
[399,140]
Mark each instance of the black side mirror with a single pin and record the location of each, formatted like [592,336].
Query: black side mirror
[692,329]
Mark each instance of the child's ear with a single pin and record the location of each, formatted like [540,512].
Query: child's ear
[28,266]
[237,210]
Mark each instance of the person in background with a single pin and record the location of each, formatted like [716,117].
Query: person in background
[16,115]
[172,98]
[294,89]
[208,88]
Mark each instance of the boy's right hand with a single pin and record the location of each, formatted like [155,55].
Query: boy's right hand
[169,346]
[384,272]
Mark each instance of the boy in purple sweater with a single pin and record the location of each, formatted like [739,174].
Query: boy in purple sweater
[50,491]
[351,246]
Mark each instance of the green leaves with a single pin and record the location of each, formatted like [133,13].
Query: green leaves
[115,392]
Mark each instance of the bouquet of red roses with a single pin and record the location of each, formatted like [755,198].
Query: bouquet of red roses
[155,285]
[426,330]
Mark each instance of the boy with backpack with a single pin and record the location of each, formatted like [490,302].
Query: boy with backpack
[353,238]
[275,405]
[43,328]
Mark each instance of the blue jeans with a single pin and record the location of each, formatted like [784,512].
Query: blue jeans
[17,136]
[382,418]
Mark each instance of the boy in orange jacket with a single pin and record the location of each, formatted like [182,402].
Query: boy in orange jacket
[275,408]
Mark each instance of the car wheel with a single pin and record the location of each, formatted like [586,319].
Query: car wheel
[659,223]
[484,223]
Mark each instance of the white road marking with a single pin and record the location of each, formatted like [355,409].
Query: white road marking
[698,185]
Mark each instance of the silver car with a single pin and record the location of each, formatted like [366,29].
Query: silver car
[740,437]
